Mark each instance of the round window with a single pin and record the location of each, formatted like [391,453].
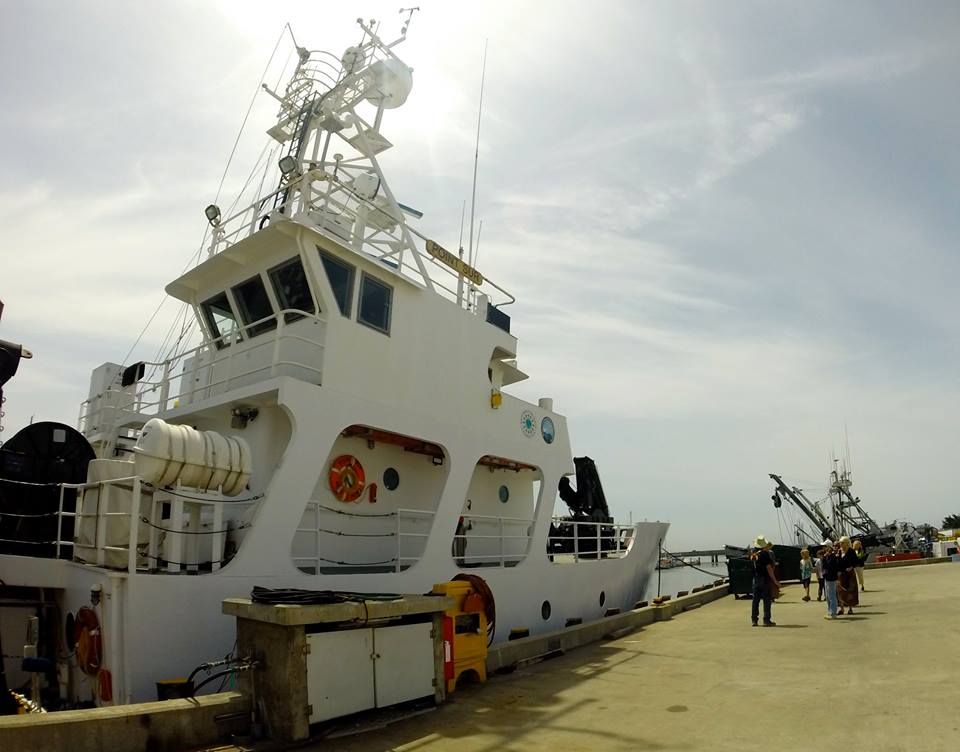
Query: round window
[545,610]
[391,478]
[504,494]
[547,430]
[603,598]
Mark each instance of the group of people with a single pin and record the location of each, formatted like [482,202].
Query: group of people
[838,568]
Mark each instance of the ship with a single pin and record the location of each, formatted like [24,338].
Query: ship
[344,424]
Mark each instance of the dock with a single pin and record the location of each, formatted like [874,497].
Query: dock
[707,680]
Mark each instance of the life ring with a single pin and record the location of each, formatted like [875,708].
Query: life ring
[88,644]
[347,480]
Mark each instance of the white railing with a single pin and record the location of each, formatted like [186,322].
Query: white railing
[491,541]
[127,524]
[326,199]
[341,539]
[208,369]
[571,541]
[337,539]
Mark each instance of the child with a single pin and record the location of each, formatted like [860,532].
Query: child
[806,569]
[831,570]
[818,568]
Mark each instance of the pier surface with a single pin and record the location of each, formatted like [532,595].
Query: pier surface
[885,678]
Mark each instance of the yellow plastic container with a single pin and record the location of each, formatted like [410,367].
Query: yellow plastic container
[464,633]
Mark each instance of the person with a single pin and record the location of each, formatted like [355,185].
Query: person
[818,568]
[806,570]
[847,580]
[765,584]
[460,538]
[861,560]
[831,568]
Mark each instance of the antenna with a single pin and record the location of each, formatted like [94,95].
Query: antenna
[476,252]
[406,24]
[463,209]
[476,151]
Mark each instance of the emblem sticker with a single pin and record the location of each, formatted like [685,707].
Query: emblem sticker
[528,423]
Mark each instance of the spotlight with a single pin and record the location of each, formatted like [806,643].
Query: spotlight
[212,214]
[287,165]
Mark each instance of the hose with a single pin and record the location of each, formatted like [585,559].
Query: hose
[295,596]
[489,605]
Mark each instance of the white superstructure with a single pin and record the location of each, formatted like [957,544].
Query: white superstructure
[349,391]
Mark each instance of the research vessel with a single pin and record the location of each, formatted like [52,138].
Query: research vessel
[343,424]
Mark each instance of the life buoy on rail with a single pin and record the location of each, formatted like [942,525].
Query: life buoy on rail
[347,480]
[88,643]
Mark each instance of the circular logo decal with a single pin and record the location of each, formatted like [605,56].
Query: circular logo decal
[547,430]
[528,423]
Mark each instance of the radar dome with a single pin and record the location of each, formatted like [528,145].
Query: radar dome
[388,82]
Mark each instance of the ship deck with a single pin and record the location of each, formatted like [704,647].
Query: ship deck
[883,678]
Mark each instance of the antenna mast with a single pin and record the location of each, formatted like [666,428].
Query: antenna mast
[476,152]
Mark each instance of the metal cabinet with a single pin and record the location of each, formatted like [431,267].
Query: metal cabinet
[357,669]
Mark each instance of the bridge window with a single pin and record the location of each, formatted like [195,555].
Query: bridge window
[340,275]
[291,288]
[254,305]
[221,319]
[375,301]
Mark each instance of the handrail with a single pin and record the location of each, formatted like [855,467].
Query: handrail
[101,541]
[590,540]
[140,402]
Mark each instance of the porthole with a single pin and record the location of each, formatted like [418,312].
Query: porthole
[391,478]
[603,598]
[547,430]
[545,610]
[504,494]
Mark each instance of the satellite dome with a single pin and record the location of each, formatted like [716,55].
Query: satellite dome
[388,82]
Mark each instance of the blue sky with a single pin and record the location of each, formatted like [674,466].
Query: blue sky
[732,227]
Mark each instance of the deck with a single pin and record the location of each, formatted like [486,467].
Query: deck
[706,680]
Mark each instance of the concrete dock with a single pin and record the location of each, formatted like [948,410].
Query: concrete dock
[885,678]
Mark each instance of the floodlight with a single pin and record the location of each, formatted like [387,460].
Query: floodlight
[287,165]
[212,214]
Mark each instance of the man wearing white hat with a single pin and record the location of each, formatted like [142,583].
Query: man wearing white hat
[765,585]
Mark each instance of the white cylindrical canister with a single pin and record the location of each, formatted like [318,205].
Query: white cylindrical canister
[167,454]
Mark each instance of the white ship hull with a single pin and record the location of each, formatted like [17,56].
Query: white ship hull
[158,627]
[342,425]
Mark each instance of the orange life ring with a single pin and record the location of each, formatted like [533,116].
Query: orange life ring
[347,480]
[87,640]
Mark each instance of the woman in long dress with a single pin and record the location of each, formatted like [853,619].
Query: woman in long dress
[847,590]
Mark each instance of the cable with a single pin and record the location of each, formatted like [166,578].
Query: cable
[185,563]
[356,535]
[203,498]
[354,514]
[686,564]
[146,521]
[296,596]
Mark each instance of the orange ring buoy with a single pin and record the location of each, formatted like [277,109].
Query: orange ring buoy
[347,479]
[88,642]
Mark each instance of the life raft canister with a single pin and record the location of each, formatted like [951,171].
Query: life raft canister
[347,479]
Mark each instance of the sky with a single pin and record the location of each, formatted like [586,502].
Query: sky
[732,228]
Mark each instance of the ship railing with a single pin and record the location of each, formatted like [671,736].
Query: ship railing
[575,541]
[328,202]
[487,540]
[210,368]
[131,522]
[502,541]
[379,541]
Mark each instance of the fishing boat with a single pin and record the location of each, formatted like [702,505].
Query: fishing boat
[344,423]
